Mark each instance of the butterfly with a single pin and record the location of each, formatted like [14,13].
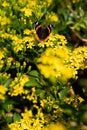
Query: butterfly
[42,33]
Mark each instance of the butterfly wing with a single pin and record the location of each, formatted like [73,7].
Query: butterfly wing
[42,33]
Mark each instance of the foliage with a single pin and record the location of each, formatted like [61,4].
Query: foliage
[36,78]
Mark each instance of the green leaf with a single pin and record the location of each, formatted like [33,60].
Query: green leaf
[82,25]
[68,109]
[63,93]
[32,82]
[9,118]
[16,117]
[34,73]
[69,23]
[7,83]
[7,106]
[40,92]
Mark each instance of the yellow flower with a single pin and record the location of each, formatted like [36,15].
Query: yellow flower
[32,3]
[30,45]
[67,73]
[28,11]
[18,47]
[78,58]
[15,126]
[17,85]
[80,99]
[18,43]
[27,114]
[1,63]
[4,4]
[1,54]
[57,66]
[3,90]
[9,61]
[61,63]
[57,126]
[52,17]
[2,97]
[49,2]
[27,31]
[4,20]
[29,121]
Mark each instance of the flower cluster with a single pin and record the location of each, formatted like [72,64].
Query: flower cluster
[29,121]
[62,63]
[17,85]
[78,58]
[53,63]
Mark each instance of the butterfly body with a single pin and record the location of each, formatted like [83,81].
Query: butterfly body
[42,33]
